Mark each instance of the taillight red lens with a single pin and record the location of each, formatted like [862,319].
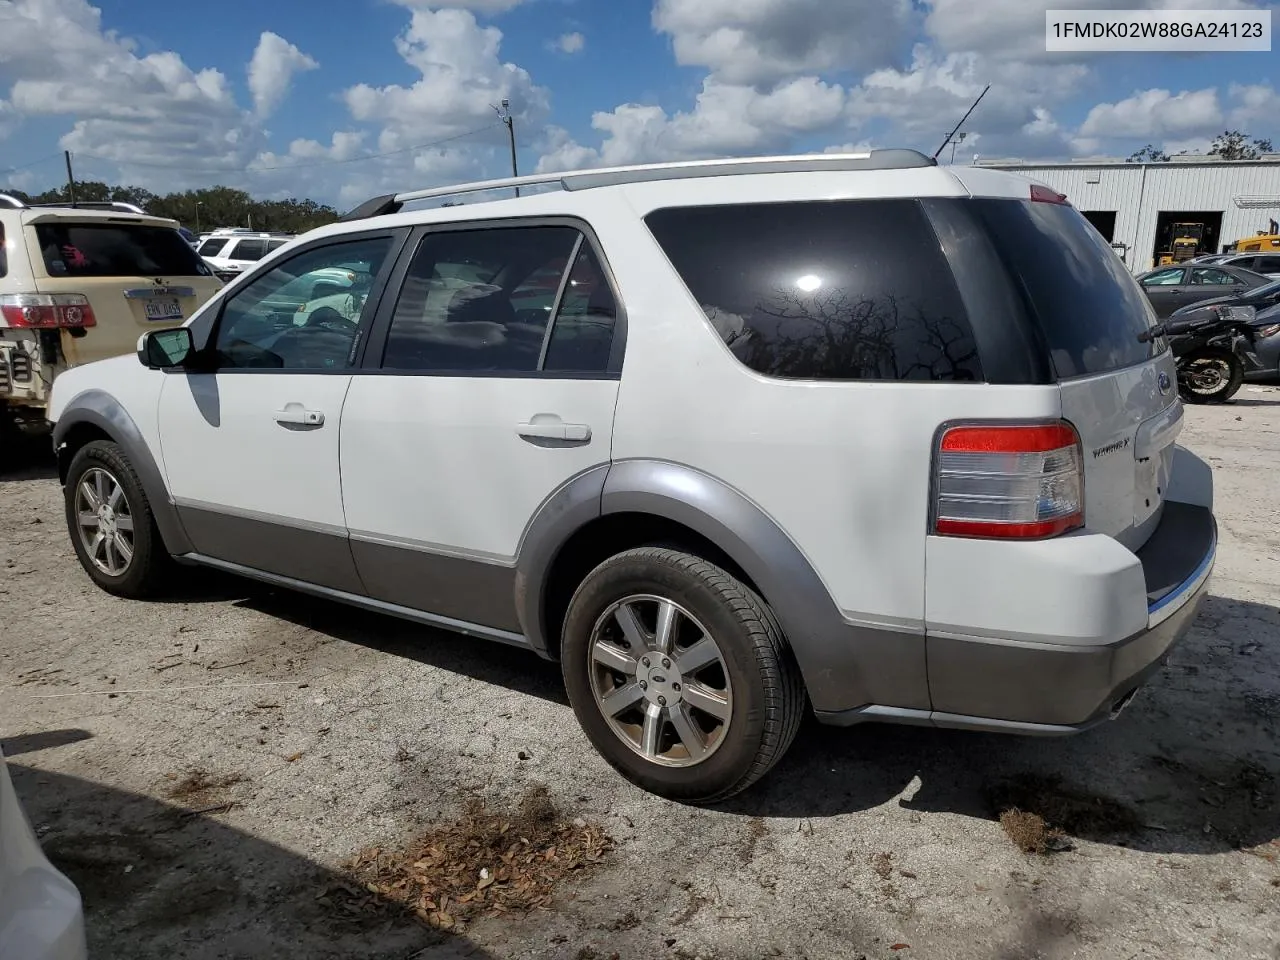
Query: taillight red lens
[46,310]
[1009,481]
[1043,194]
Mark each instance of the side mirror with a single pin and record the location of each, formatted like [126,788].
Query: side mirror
[162,349]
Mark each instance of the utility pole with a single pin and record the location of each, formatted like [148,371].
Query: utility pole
[955,142]
[504,114]
[71,180]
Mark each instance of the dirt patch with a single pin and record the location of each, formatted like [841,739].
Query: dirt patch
[199,784]
[490,861]
[1061,810]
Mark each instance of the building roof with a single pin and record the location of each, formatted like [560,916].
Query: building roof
[1181,160]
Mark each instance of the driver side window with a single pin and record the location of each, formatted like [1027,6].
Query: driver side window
[304,313]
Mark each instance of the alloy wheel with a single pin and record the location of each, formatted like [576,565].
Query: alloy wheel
[105,521]
[659,679]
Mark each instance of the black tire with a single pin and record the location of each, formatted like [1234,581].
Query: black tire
[150,566]
[1230,385]
[768,697]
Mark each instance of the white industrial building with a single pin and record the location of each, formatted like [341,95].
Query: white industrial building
[1134,205]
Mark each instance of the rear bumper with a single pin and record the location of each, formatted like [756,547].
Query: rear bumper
[1023,686]
[1072,687]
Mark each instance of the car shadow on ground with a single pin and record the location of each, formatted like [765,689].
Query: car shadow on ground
[26,458]
[1159,778]
[159,881]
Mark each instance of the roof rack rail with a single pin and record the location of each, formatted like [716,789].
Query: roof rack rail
[94,205]
[891,159]
[11,201]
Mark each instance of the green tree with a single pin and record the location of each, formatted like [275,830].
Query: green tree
[1148,154]
[1234,145]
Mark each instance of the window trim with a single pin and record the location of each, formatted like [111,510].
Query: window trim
[205,333]
[376,341]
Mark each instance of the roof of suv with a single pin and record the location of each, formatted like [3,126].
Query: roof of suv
[877,173]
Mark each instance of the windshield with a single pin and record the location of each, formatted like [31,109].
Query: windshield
[116,250]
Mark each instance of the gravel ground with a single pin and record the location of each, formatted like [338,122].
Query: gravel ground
[333,731]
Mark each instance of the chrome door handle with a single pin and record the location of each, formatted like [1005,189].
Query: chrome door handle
[296,414]
[555,430]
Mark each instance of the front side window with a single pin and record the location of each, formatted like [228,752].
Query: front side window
[1164,278]
[304,313]
[824,290]
[482,301]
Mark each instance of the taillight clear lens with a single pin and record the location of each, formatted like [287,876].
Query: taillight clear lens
[1002,481]
[1268,331]
[44,310]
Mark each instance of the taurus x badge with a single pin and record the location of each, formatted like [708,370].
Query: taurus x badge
[1165,384]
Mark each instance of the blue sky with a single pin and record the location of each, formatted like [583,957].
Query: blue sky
[163,94]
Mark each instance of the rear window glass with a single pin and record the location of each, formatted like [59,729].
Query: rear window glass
[1089,308]
[116,250]
[824,290]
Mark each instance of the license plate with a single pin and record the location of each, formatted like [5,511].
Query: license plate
[164,308]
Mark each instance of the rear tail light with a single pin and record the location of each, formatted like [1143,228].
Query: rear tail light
[45,310]
[1268,331]
[1008,481]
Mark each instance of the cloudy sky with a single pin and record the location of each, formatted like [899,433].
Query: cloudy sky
[343,99]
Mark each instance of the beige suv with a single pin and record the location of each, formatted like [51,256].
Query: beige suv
[81,283]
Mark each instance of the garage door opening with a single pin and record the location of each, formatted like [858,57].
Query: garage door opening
[1104,221]
[1181,235]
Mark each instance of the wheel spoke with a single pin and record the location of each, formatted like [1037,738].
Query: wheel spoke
[667,614]
[707,700]
[688,732]
[631,629]
[614,657]
[110,557]
[701,654]
[88,519]
[624,697]
[125,524]
[113,499]
[91,495]
[99,539]
[100,486]
[651,733]
[124,548]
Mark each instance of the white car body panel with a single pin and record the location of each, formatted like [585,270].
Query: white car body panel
[41,915]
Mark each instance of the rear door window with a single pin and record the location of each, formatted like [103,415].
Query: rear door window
[249,250]
[1211,276]
[211,247]
[824,290]
[116,250]
[1090,310]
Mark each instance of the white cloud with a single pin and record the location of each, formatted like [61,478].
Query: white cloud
[726,119]
[275,63]
[1156,113]
[762,41]
[125,107]
[570,42]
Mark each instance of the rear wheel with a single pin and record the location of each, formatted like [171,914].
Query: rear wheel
[1210,376]
[679,674]
[109,518]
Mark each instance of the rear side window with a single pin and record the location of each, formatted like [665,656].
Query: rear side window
[1089,309]
[116,250]
[211,247]
[249,250]
[824,290]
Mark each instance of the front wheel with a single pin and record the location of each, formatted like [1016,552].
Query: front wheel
[680,675]
[110,522]
[1210,376]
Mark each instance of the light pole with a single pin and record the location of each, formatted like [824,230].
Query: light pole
[504,114]
[199,204]
[955,142]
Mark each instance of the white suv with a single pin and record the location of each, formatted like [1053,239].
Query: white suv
[230,252]
[731,440]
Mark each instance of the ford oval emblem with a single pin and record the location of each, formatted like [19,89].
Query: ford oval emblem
[1165,384]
